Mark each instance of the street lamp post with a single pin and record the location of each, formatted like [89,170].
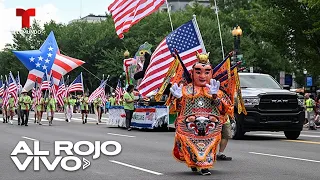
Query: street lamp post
[236,33]
[305,72]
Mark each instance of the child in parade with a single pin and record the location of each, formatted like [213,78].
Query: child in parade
[11,109]
[84,103]
[40,107]
[51,108]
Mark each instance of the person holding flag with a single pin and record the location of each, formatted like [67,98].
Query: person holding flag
[84,103]
[97,110]
[51,107]
[11,108]
[40,108]
[25,102]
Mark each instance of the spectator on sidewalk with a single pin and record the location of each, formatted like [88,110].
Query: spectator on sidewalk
[310,107]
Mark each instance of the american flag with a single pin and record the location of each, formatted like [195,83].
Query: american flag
[35,95]
[13,88]
[61,92]
[119,92]
[99,92]
[126,13]
[52,88]
[45,82]
[1,87]
[187,40]
[47,58]
[18,83]
[76,85]
[5,96]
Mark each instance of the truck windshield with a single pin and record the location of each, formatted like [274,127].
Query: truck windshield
[258,81]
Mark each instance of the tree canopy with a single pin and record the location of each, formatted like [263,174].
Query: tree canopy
[278,35]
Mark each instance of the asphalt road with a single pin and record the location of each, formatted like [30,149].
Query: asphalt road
[147,154]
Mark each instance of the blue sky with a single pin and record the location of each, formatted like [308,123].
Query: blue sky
[62,11]
[68,9]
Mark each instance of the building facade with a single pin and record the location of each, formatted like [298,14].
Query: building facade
[91,18]
[176,5]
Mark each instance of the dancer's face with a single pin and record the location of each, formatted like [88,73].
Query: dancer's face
[202,73]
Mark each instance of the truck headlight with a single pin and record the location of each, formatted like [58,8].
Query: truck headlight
[251,101]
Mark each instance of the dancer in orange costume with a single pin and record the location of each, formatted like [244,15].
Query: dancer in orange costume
[203,108]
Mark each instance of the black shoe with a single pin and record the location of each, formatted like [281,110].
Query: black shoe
[22,124]
[194,169]
[85,121]
[18,124]
[26,125]
[205,172]
[82,122]
[223,157]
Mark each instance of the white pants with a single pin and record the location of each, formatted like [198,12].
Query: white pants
[310,116]
[69,112]
[96,112]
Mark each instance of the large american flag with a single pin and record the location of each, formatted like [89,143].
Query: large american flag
[99,92]
[119,92]
[187,40]
[47,58]
[126,13]
[76,85]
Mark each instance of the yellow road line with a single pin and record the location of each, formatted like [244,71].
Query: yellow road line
[307,142]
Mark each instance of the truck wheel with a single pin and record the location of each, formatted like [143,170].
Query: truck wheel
[236,130]
[292,134]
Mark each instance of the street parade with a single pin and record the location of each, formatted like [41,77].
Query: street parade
[172,102]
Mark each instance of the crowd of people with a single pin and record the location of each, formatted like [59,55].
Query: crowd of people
[22,105]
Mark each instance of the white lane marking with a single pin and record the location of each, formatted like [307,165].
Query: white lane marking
[303,135]
[29,138]
[135,167]
[120,135]
[285,157]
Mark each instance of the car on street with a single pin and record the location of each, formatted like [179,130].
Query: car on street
[269,107]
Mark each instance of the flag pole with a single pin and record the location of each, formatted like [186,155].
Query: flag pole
[169,15]
[199,33]
[216,9]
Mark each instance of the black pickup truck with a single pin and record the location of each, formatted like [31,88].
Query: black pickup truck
[269,107]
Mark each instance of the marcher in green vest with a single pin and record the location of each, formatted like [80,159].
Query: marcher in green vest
[97,110]
[310,105]
[40,106]
[84,103]
[12,108]
[51,108]
[128,105]
[25,107]
[112,100]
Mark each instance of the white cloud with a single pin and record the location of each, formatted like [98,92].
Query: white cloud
[10,22]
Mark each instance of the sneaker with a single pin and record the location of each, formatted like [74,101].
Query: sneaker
[205,172]
[129,129]
[194,169]
[223,157]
